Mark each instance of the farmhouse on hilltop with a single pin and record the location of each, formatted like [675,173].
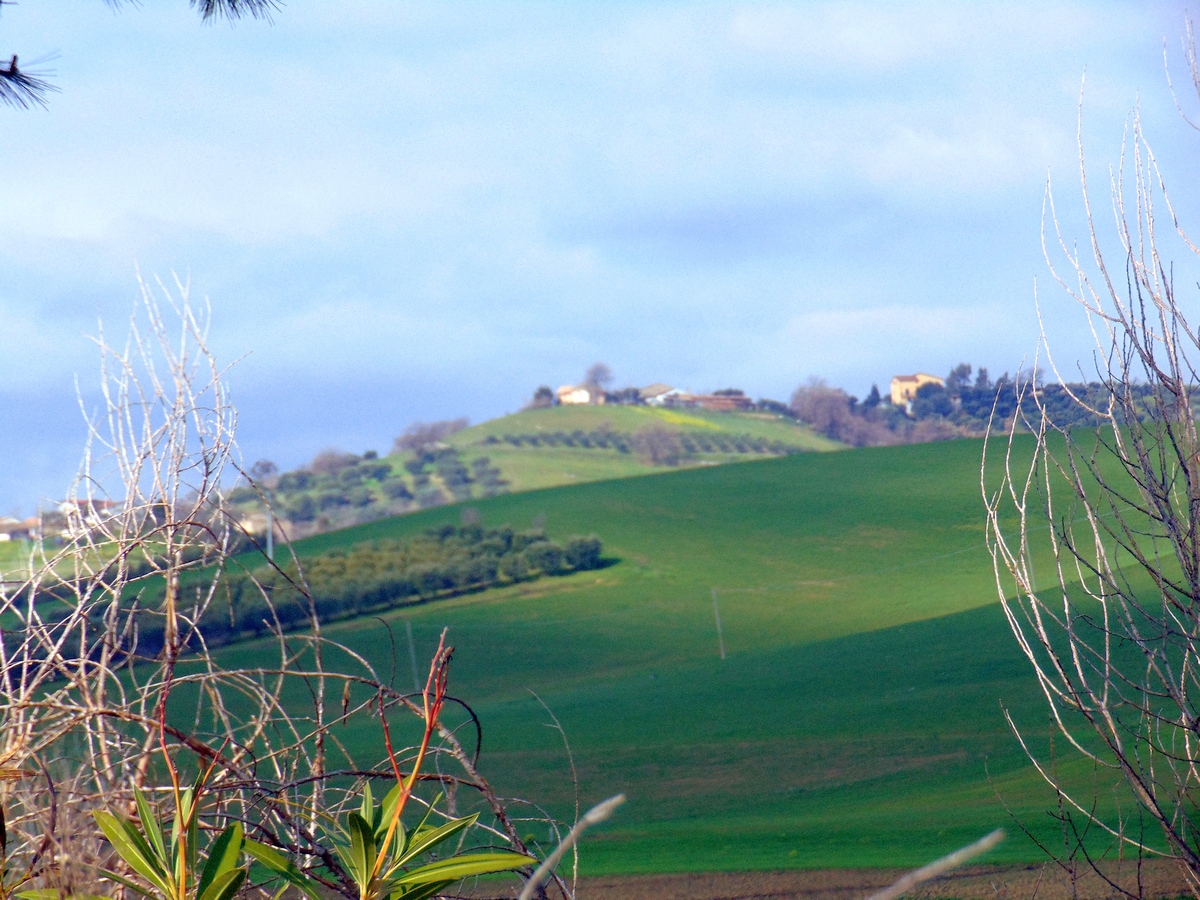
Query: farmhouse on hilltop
[16,530]
[720,402]
[905,387]
[658,393]
[81,517]
[571,395]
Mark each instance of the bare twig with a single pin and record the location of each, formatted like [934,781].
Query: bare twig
[940,867]
[593,816]
[1111,626]
[103,658]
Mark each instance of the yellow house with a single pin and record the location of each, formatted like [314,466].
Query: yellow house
[905,387]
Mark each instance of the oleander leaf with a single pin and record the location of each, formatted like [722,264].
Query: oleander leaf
[225,885]
[282,866]
[429,838]
[420,891]
[223,857]
[133,849]
[457,867]
[150,827]
[362,849]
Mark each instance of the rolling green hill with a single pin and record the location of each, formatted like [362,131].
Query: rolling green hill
[525,451]
[627,419]
[718,438]
[857,719]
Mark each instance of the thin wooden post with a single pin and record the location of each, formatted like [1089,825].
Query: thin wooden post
[717,616]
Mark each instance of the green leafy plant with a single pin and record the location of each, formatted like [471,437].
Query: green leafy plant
[174,869]
[377,852]
[374,848]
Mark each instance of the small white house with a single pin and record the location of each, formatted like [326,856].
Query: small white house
[661,394]
[651,393]
[84,516]
[572,395]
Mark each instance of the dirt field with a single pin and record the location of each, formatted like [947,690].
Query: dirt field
[980,883]
[974,883]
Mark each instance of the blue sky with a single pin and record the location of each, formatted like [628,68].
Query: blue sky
[406,211]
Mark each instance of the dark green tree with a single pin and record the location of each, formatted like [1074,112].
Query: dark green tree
[958,379]
[543,398]
[932,400]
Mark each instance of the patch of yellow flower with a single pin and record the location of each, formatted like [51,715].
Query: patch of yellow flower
[678,418]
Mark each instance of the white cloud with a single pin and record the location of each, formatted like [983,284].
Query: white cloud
[747,192]
[858,38]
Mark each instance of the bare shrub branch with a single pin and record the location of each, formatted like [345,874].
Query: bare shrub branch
[105,671]
[1112,629]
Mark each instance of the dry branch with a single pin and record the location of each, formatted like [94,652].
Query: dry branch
[1113,631]
[148,536]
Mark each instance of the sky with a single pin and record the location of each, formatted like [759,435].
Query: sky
[411,211]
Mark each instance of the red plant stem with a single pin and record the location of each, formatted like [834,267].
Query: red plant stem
[435,684]
[162,736]
[387,741]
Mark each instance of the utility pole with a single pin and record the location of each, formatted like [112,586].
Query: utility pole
[717,616]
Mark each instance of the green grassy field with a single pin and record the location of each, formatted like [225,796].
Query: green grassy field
[857,719]
[528,450]
[630,418]
[14,560]
[531,468]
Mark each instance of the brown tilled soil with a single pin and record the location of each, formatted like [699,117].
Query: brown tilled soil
[1042,882]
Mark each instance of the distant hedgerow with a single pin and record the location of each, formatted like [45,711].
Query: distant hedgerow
[442,561]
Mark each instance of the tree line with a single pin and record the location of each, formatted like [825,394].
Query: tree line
[962,407]
[443,561]
[440,562]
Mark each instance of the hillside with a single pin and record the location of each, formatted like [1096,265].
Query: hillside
[857,718]
[525,451]
[561,454]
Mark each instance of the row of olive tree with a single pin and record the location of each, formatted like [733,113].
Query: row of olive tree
[375,576]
